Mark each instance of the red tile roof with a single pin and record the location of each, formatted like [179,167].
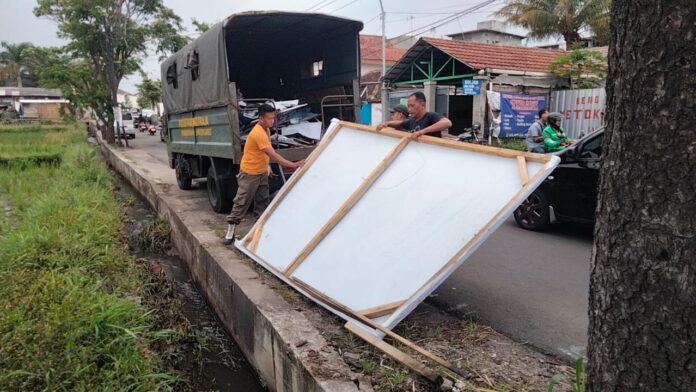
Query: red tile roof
[494,56]
[371,49]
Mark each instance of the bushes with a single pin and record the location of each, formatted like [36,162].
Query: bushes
[71,316]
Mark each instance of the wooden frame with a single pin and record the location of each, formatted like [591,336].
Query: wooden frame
[394,311]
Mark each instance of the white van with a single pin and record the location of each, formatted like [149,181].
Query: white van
[127,125]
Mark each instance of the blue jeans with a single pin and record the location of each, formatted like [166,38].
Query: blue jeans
[538,149]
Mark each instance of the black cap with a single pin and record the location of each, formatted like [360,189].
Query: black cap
[401,109]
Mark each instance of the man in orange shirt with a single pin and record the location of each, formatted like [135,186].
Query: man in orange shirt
[252,180]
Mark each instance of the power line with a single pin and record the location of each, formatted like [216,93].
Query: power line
[372,19]
[315,9]
[342,7]
[444,21]
[316,5]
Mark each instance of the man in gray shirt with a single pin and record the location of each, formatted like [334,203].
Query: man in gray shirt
[535,142]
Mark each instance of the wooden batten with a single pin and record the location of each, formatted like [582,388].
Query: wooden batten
[321,297]
[382,310]
[394,353]
[497,151]
[522,166]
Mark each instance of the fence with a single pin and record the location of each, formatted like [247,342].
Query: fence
[583,110]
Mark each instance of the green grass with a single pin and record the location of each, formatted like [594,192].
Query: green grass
[71,312]
[512,143]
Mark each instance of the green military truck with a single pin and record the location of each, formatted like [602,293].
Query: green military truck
[210,85]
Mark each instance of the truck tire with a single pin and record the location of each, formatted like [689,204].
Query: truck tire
[219,192]
[182,168]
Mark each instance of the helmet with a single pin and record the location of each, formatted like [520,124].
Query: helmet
[476,126]
[555,118]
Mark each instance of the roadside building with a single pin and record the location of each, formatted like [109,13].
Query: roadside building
[33,103]
[455,76]
[489,32]
[126,99]
[371,53]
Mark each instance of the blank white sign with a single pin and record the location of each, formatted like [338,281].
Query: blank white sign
[419,220]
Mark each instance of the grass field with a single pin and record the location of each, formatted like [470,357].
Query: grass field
[71,309]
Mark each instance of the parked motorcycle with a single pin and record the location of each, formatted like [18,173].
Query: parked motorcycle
[470,135]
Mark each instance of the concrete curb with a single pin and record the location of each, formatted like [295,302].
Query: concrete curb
[265,326]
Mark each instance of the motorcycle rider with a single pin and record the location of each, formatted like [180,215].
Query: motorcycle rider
[555,138]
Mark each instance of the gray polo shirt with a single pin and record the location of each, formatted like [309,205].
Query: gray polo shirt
[534,130]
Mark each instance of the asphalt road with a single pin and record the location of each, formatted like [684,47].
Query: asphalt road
[532,287]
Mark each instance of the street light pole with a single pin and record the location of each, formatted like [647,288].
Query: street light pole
[384,97]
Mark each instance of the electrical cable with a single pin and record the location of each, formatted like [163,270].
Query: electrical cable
[342,7]
[444,21]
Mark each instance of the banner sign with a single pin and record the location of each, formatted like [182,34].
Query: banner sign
[519,111]
[471,87]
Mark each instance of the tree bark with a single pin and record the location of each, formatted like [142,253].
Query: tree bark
[642,331]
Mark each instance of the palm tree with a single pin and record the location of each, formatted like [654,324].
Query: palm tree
[13,60]
[566,18]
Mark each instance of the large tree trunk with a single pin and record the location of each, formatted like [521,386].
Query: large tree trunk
[642,332]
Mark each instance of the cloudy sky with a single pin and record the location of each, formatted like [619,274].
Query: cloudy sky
[18,23]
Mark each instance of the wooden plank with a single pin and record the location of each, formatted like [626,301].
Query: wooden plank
[299,173]
[381,310]
[347,205]
[256,237]
[497,151]
[522,166]
[395,353]
[321,297]
[454,259]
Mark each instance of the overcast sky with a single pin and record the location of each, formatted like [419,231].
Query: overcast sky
[18,23]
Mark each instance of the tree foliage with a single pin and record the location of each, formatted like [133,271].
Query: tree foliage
[13,61]
[565,18]
[585,68]
[201,27]
[74,76]
[112,37]
[150,92]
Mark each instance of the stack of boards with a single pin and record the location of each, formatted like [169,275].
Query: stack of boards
[374,221]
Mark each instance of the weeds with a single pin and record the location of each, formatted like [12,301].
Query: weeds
[154,236]
[71,308]
[577,384]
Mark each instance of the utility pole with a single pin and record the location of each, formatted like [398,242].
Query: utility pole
[385,97]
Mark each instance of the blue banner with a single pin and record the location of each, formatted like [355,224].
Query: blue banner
[518,112]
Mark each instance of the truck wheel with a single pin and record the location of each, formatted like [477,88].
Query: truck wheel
[219,192]
[183,173]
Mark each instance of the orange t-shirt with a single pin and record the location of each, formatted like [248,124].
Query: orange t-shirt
[254,160]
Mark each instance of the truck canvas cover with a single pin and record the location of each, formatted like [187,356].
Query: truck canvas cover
[258,51]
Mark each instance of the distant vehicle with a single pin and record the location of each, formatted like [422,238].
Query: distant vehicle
[127,126]
[569,194]
[206,101]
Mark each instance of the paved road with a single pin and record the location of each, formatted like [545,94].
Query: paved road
[533,287]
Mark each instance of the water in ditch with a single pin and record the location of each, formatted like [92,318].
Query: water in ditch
[215,362]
